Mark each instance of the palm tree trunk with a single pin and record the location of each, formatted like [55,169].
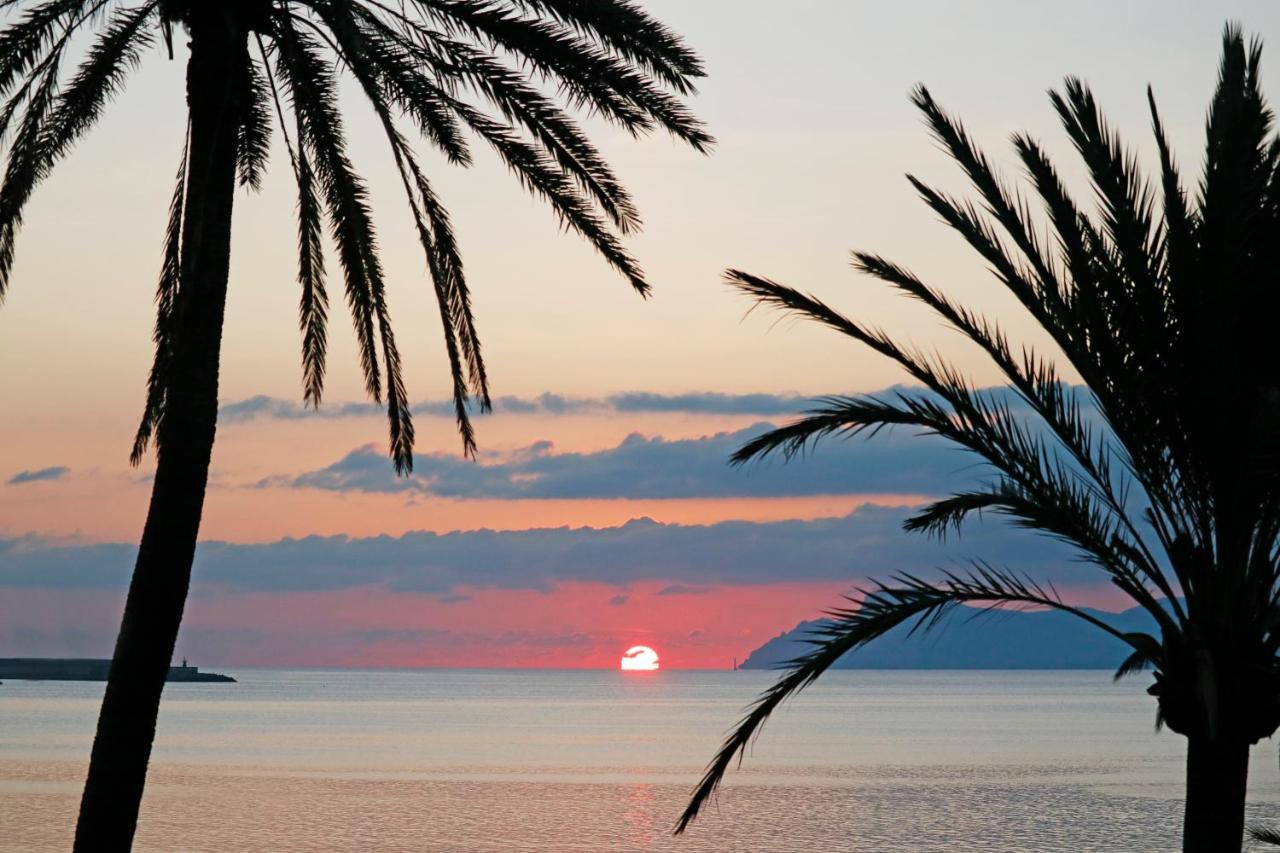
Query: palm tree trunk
[1217,775]
[162,575]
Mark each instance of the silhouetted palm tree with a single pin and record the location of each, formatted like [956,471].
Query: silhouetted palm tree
[450,68]
[1166,308]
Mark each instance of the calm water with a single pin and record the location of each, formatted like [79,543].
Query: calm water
[600,761]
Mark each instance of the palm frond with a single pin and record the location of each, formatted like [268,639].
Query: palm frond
[1144,423]
[448,258]
[559,168]
[629,32]
[1237,255]
[313,308]
[557,134]
[23,164]
[116,51]
[1236,132]
[253,142]
[1147,654]
[1033,378]
[24,42]
[166,301]
[371,46]
[1038,384]
[309,82]
[399,418]
[1177,220]
[313,305]
[451,290]
[589,75]
[1126,200]
[1112,332]
[1037,490]
[1131,316]
[541,176]
[406,44]
[882,609]
[951,512]
[1264,834]
[1042,292]
[55,119]
[452,297]
[372,60]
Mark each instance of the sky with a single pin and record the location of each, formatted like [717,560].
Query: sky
[601,512]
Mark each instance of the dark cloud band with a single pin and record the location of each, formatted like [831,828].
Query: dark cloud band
[650,468]
[709,403]
[866,543]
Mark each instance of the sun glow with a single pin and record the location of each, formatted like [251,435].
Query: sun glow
[640,659]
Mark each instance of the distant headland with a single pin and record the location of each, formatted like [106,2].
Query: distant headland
[1046,639]
[89,669]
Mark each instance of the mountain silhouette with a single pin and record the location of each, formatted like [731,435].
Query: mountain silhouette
[970,638]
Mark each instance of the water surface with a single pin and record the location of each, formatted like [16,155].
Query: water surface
[456,760]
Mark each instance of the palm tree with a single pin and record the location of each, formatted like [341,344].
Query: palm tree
[1164,304]
[451,70]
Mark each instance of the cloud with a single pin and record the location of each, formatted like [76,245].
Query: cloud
[274,408]
[633,402]
[575,639]
[619,600]
[896,461]
[56,472]
[629,402]
[868,542]
[641,467]
[709,403]
[684,589]
[414,636]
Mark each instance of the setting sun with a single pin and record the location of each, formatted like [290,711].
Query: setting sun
[640,659]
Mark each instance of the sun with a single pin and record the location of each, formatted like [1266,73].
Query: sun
[640,659]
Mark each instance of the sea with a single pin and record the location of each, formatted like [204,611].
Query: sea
[586,761]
